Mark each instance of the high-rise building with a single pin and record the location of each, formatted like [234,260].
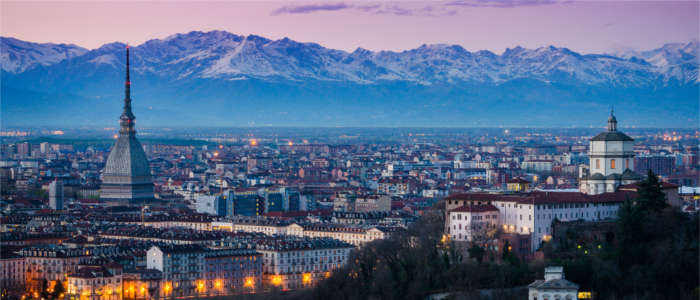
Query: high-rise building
[56,194]
[23,149]
[212,204]
[245,202]
[611,161]
[44,147]
[127,175]
[659,164]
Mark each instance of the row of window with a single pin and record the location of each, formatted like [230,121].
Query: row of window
[612,163]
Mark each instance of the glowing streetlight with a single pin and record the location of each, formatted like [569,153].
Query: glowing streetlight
[276,280]
[306,278]
[249,282]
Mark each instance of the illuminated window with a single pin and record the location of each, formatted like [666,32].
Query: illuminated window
[627,163]
[612,164]
[597,163]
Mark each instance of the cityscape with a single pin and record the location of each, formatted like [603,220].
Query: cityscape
[283,179]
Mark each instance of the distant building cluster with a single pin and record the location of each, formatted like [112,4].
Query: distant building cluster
[527,216]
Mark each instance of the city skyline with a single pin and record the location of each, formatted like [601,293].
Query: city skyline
[470,149]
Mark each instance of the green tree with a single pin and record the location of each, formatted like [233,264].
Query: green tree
[650,196]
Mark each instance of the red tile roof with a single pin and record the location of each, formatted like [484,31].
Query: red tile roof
[475,208]
[539,197]
[635,186]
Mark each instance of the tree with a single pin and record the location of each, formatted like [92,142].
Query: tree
[650,196]
[476,252]
[44,288]
[58,289]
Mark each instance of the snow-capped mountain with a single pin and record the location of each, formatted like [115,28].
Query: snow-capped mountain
[220,78]
[677,61]
[17,56]
[222,55]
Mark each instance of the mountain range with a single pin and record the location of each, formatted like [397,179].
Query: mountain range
[218,78]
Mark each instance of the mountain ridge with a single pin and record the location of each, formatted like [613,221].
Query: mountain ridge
[234,55]
[232,79]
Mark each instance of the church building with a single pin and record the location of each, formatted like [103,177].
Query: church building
[611,162]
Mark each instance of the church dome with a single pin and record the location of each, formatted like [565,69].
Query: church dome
[612,134]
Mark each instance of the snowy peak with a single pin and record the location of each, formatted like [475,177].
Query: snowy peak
[17,56]
[674,61]
[226,56]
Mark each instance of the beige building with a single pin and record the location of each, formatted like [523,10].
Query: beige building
[95,283]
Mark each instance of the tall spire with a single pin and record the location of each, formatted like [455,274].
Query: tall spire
[127,118]
[127,83]
[612,122]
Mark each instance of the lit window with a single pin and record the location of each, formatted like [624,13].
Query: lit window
[597,163]
[612,164]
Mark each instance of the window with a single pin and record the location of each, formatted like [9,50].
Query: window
[612,164]
[597,163]
[627,163]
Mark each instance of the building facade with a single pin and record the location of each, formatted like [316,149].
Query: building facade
[553,287]
[291,263]
[611,159]
[470,220]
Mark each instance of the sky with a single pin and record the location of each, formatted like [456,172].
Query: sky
[583,26]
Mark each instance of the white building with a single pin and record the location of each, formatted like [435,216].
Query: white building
[182,267]
[611,159]
[538,165]
[210,204]
[553,287]
[294,263]
[533,213]
[56,194]
[468,220]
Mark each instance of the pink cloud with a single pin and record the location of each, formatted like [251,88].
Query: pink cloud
[305,9]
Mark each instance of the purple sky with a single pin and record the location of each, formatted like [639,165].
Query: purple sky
[585,26]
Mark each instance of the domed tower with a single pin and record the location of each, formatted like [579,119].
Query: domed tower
[127,177]
[611,161]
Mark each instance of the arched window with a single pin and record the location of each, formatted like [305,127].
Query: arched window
[612,164]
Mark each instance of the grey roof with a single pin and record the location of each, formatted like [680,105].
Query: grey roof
[612,136]
[127,158]
[613,176]
[597,176]
[631,175]
[555,284]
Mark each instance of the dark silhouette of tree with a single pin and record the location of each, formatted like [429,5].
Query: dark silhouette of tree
[44,288]
[58,289]
[476,252]
[650,195]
